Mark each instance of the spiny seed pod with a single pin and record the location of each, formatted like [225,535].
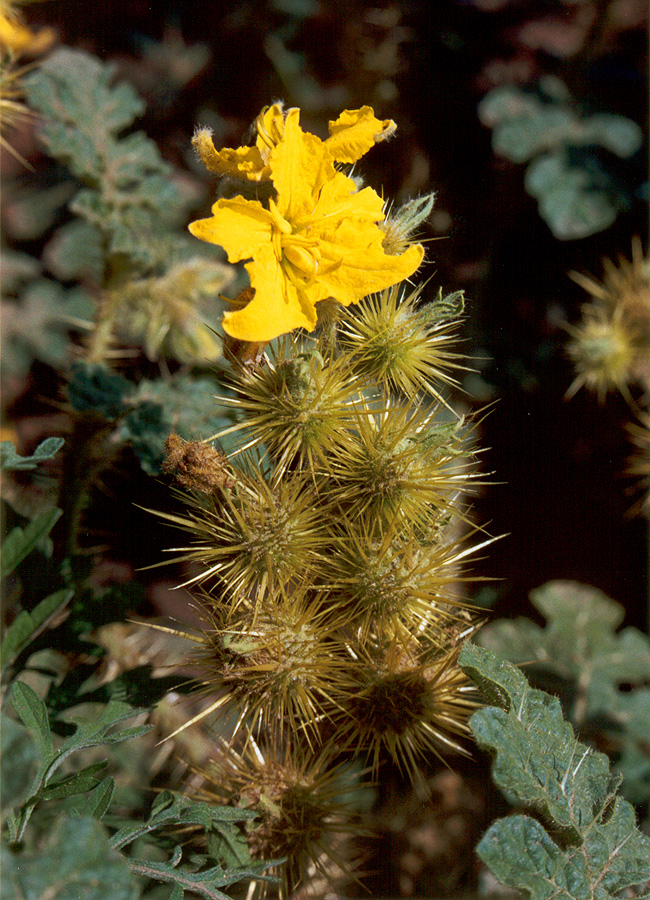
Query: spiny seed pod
[399,461]
[398,345]
[406,697]
[297,406]
[277,665]
[610,348]
[603,353]
[254,537]
[306,809]
[386,578]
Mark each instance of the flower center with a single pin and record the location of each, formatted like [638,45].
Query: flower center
[298,255]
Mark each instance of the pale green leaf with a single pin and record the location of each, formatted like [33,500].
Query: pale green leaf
[10,459]
[590,848]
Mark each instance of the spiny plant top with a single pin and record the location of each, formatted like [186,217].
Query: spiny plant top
[326,546]
[317,237]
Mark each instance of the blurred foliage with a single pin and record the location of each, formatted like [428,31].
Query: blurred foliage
[571,169]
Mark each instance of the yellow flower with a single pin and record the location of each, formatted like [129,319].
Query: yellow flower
[351,135]
[17,38]
[319,238]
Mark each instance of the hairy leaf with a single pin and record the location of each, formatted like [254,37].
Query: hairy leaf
[100,798]
[184,405]
[76,253]
[33,714]
[95,389]
[37,324]
[81,108]
[588,661]
[9,459]
[171,810]
[587,843]
[78,862]
[130,197]
[20,542]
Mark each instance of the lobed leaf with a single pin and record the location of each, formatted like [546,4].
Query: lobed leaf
[580,650]
[81,108]
[587,844]
[10,459]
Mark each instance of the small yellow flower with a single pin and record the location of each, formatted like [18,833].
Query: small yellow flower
[351,135]
[319,238]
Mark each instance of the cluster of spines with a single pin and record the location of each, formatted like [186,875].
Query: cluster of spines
[330,557]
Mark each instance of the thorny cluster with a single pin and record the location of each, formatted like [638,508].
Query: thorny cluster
[326,551]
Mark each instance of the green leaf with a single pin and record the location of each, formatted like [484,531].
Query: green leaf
[590,847]
[130,195]
[26,625]
[20,542]
[170,810]
[92,388]
[74,93]
[205,883]
[582,655]
[37,325]
[78,863]
[79,783]
[76,253]
[574,202]
[33,714]
[18,746]
[100,799]
[184,405]
[9,459]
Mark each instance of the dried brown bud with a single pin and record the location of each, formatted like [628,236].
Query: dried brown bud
[196,465]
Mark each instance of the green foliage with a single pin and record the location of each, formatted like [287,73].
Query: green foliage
[27,624]
[20,542]
[579,192]
[77,862]
[130,194]
[37,322]
[9,459]
[584,842]
[183,405]
[582,656]
[94,389]
[89,858]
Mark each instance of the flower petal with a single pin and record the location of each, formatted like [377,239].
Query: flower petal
[242,162]
[365,267]
[339,200]
[277,306]
[241,227]
[355,132]
[300,166]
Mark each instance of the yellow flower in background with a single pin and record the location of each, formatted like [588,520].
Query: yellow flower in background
[318,239]
[17,38]
[351,135]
